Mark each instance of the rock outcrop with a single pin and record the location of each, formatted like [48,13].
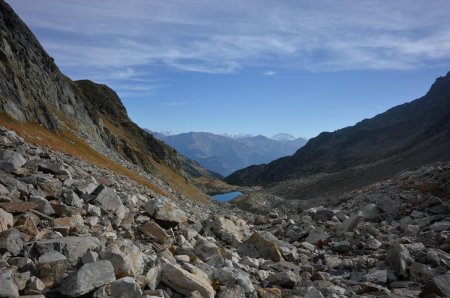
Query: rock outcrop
[33,90]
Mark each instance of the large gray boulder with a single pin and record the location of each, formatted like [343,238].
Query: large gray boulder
[126,258]
[107,198]
[439,286]
[261,245]
[185,282]
[88,278]
[8,288]
[206,249]
[284,279]
[398,258]
[126,287]
[11,161]
[165,211]
[71,247]
[350,223]
[51,266]
[152,230]
[231,231]
[11,241]
[228,277]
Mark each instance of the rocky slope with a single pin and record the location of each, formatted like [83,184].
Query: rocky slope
[224,154]
[33,90]
[70,229]
[405,136]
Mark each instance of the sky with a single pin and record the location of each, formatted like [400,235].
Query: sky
[253,66]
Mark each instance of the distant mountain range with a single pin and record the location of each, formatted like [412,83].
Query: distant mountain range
[408,135]
[225,154]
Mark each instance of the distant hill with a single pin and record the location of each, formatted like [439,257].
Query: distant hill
[225,154]
[408,135]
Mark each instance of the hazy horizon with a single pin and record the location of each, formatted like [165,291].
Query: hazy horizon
[253,67]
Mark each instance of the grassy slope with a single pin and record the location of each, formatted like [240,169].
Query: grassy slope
[67,142]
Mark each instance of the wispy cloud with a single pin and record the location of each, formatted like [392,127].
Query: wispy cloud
[269,73]
[219,37]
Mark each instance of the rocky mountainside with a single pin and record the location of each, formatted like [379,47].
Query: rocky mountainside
[70,229]
[405,136]
[225,154]
[33,90]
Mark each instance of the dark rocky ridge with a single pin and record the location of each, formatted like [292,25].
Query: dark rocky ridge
[403,137]
[32,89]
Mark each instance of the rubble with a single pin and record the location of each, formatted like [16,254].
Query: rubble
[69,228]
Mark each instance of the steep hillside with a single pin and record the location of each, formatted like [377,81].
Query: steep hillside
[405,136]
[223,154]
[33,90]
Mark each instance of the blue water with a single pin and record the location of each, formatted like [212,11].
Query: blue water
[225,197]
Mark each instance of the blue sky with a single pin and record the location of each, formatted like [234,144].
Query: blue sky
[254,66]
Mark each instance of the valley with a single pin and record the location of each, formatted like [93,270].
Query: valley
[225,154]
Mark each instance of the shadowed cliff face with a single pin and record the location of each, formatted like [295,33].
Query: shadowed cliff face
[32,89]
[405,136]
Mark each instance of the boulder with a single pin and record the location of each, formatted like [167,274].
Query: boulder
[164,211]
[269,293]
[126,287]
[153,277]
[232,232]
[126,258]
[154,231]
[53,167]
[398,258]
[8,288]
[376,276]
[185,282]
[73,248]
[51,267]
[421,273]
[43,205]
[86,186]
[284,279]
[313,293]
[372,244]
[36,284]
[440,226]
[206,249]
[316,236]
[341,246]
[50,186]
[72,199]
[232,291]
[88,278]
[228,277]
[107,198]
[438,286]
[350,223]
[11,161]
[6,220]
[89,257]
[261,245]
[11,241]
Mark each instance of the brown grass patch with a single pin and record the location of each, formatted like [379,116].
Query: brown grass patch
[67,142]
